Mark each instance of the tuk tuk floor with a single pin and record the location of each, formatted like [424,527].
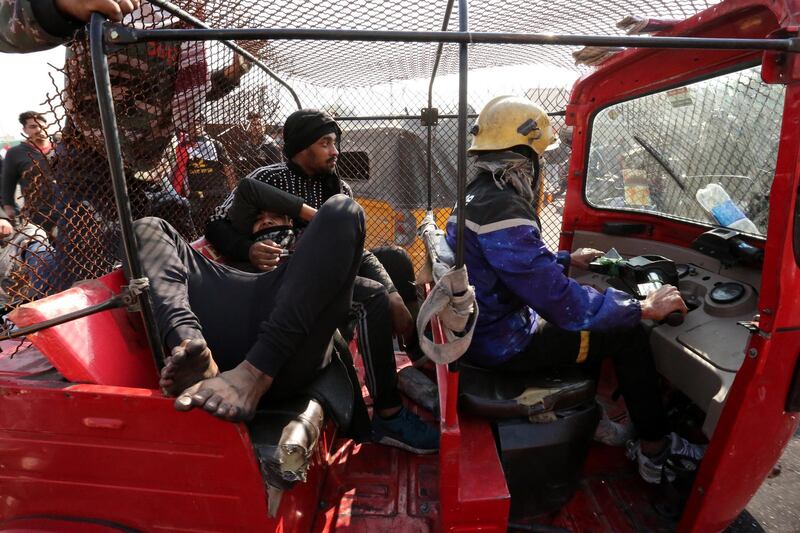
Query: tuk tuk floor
[374,488]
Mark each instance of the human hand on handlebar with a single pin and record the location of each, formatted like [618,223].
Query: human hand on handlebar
[661,302]
[581,257]
[82,9]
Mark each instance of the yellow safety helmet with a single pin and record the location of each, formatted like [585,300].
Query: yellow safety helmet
[509,121]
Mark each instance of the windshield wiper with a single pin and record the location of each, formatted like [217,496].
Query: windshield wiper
[681,185]
[661,161]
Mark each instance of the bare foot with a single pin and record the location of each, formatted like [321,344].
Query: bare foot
[186,365]
[232,395]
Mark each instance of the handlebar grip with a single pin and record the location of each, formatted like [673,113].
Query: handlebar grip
[673,319]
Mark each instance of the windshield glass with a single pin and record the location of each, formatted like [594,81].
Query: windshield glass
[705,152]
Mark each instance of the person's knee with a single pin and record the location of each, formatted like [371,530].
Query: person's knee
[340,211]
[341,205]
[148,224]
[633,342]
[400,268]
[637,336]
[376,301]
[367,292]
[395,258]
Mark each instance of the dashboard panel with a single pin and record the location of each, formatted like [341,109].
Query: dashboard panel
[701,356]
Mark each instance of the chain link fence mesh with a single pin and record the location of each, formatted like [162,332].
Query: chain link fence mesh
[194,118]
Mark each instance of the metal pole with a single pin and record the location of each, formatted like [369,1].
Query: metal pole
[118,300]
[105,101]
[125,35]
[445,23]
[187,17]
[412,117]
[461,188]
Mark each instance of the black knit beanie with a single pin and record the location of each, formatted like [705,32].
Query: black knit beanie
[304,127]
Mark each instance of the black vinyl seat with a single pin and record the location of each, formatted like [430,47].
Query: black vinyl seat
[543,424]
[538,396]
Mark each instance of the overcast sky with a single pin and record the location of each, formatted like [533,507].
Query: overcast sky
[28,82]
[25,84]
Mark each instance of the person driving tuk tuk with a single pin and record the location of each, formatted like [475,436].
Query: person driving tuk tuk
[532,315]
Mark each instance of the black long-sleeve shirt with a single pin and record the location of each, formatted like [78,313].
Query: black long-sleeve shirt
[21,164]
[253,196]
[313,190]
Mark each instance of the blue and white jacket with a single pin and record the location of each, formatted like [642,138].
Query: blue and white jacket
[517,279]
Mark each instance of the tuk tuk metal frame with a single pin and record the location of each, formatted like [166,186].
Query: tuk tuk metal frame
[103,36]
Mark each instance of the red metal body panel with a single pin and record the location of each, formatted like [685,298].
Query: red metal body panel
[57,525]
[472,487]
[754,428]
[105,348]
[126,456]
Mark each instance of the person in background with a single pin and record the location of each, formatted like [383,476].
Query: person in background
[27,165]
[262,148]
[201,171]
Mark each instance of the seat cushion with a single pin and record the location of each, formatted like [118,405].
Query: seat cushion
[538,395]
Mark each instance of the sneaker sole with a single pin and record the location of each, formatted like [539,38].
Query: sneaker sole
[389,441]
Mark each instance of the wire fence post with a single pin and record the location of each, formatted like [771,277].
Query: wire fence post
[102,80]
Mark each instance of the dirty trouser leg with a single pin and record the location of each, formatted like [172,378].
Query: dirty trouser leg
[313,297]
[633,364]
[194,297]
[371,308]
[282,321]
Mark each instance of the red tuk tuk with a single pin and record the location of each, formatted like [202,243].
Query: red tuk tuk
[88,442]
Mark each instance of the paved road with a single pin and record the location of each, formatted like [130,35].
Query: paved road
[776,506]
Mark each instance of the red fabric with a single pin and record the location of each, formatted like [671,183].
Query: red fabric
[182,157]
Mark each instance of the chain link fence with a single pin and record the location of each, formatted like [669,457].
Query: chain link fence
[194,118]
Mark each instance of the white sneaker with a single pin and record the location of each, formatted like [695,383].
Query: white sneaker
[612,433]
[651,469]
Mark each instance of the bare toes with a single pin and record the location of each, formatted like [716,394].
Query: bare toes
[200,397]
[184,401]
[228,412]
[212,403]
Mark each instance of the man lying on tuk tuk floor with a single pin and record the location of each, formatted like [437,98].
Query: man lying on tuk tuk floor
[533,316]
[270,332]
[384,288]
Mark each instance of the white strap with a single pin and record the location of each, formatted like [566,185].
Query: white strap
[453,301]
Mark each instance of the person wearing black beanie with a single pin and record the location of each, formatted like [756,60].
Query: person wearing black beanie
[311,140]
[304,127]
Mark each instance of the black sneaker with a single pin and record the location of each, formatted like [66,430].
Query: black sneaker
[406,431]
